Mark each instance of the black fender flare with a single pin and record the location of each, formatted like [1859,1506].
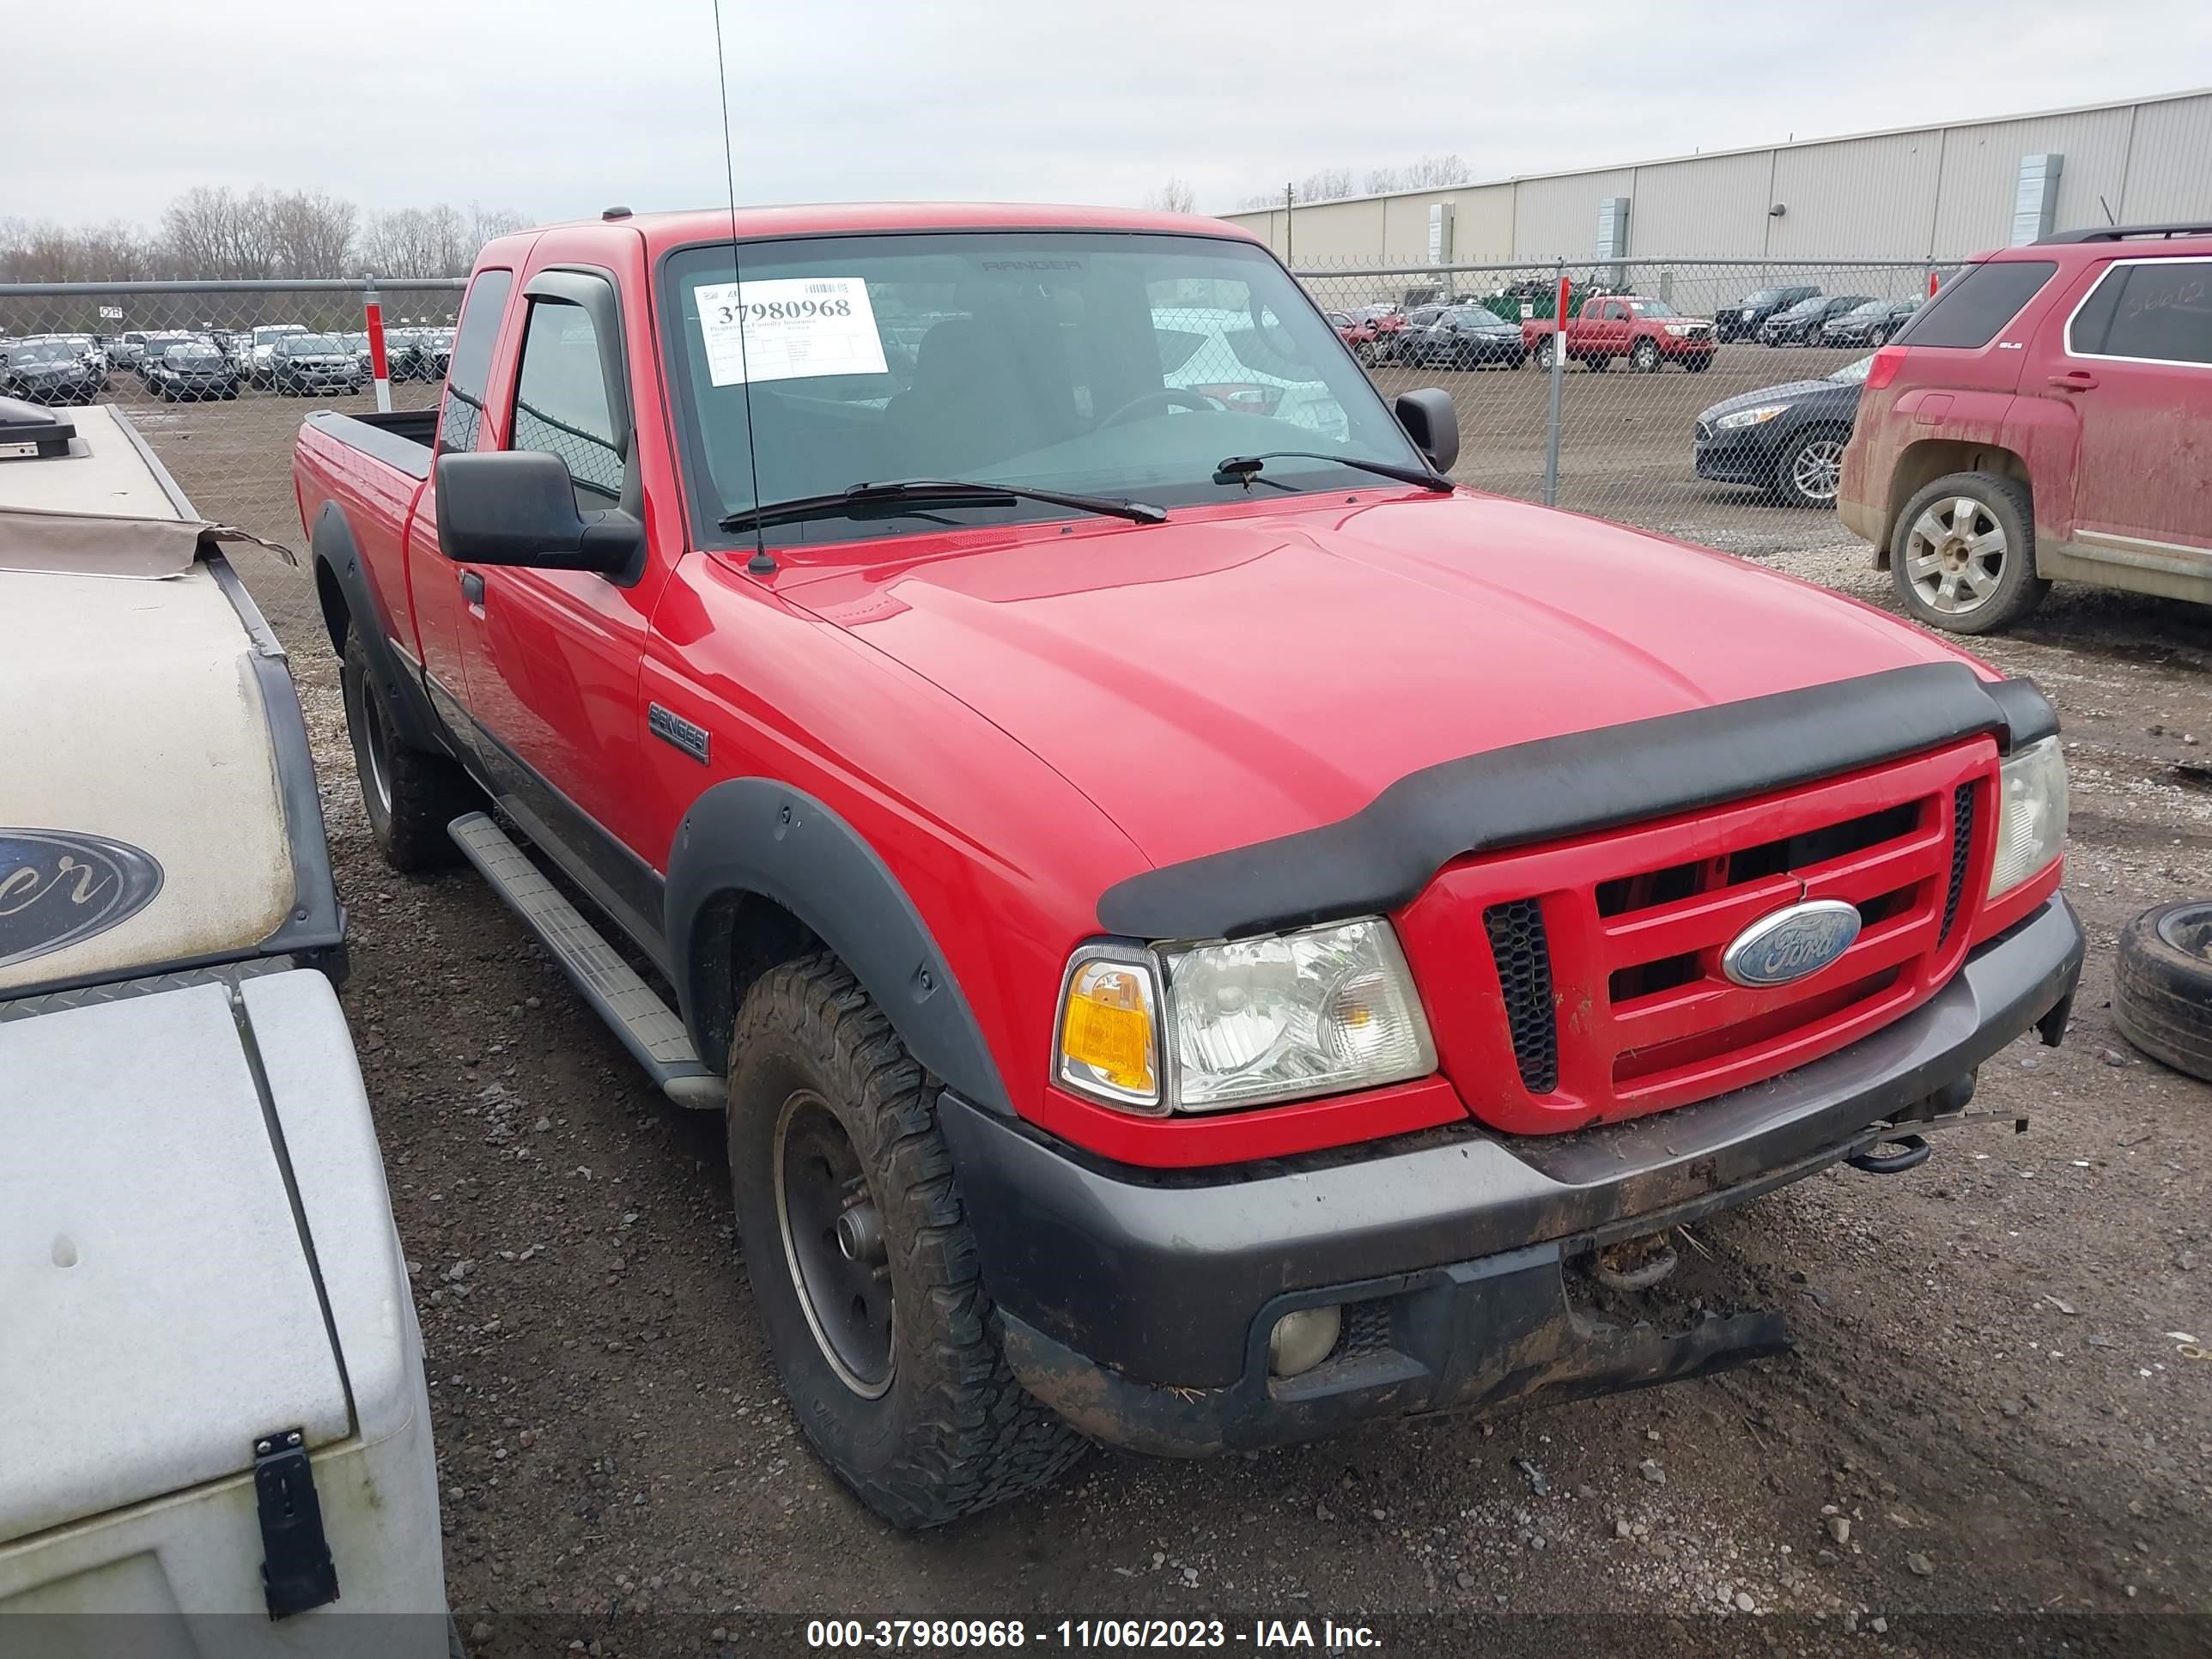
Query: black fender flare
[755,836]
[338,564]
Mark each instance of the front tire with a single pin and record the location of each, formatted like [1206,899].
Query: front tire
[1962,556]
[1644,359]
[1546,350]
[1808,470]
[410,795]
[862,1262]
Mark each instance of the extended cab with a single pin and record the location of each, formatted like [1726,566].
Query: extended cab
[2047,415]
[1203,929]
[1650,333]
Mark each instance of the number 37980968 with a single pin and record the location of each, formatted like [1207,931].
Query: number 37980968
[779,311]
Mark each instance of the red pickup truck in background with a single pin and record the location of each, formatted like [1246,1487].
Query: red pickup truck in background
[1650,333]
[1204,931]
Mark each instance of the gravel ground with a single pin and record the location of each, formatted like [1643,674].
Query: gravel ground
[1985,1437]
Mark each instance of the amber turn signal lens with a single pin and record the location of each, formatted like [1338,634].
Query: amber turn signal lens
[1108,1025]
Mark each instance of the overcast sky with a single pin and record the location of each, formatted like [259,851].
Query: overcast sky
[558,107]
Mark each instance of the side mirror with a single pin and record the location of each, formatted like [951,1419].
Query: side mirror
[1432,423]
[517,506]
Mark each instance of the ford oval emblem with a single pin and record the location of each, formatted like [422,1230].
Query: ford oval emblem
[58,886]
[1788,945]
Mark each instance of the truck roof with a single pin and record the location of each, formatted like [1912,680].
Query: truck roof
[663,231]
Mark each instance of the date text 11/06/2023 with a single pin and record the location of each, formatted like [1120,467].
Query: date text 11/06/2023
[1323,1636]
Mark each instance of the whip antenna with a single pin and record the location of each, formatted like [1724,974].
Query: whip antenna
[762,562]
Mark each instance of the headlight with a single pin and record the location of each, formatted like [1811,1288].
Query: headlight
[1677,330]
[1203,1028]
[1744,417]
[2031,814]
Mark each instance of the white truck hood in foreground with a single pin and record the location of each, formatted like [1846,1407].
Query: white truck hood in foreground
[152,1272]
[196,1249]
[133,715]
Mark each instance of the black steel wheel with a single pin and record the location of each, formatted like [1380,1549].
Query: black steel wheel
[864,1270]
[410,795]
[833,1244]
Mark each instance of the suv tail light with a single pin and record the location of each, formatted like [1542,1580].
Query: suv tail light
[1883,370]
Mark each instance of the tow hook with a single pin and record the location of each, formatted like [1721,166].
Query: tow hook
[1912,1153]
[1634,1264]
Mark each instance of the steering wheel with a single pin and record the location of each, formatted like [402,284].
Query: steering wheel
[1173,397]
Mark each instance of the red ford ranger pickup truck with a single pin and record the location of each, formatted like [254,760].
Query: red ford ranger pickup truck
[1650,333]
[1204,931]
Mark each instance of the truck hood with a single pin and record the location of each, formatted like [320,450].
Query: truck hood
[1239,674]
[162,1303]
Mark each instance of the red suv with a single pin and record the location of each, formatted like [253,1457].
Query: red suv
[2048,414]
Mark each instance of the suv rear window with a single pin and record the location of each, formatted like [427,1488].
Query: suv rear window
[1975,304]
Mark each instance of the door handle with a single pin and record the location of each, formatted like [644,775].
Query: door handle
[2074,380]
[472,587]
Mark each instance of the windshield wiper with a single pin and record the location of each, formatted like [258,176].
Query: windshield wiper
[864,500]
[1243,469]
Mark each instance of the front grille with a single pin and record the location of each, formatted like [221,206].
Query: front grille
[1962,846]
[1517,945]
[1610,999]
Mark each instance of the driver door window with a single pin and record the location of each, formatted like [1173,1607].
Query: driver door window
[560,402]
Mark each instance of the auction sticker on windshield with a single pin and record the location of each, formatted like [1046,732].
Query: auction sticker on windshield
[789,329]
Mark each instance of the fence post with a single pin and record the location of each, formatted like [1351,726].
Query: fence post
[1558,375]
[380,367]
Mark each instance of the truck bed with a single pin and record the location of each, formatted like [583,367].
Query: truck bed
[402,437]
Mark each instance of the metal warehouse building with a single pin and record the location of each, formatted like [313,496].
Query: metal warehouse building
[1932,193]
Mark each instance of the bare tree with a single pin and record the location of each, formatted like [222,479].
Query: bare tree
[1326,186]
[484,223]
[1174,197]
[113,252]
[212,233]
[217,234]
[313,234]
[1430,172]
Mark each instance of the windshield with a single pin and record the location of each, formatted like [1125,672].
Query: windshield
[45,352]
[1123,365]
[193,353]
[1767,297]
[1871,308]
[1475,317]
[269,331]
[1853,373]
[308,345]
[1807,307]
[1652,308]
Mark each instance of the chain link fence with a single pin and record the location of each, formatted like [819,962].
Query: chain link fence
[216,376]
[1660,355]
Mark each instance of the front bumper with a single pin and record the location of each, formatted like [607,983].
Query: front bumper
[1140,1306]
[1733,458]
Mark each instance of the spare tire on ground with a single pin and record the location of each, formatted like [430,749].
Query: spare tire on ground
[2162,990]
